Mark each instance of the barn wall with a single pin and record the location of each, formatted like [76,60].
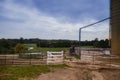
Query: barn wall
[115,26]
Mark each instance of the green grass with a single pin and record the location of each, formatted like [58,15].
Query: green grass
[51,49]
[37,49]
[44,50]
[17,72]
[30,45]
[87,46]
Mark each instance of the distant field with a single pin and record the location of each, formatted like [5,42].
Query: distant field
[48,49]
[87,46]
[30,45]
[38,49]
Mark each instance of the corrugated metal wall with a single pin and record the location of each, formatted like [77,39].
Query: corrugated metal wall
[115,26]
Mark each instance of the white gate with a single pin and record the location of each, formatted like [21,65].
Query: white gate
[54,57]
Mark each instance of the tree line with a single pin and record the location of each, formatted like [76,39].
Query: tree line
[10,44]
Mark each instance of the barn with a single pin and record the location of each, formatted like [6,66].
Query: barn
[115,26]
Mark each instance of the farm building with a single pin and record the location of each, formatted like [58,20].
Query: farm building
[115,26]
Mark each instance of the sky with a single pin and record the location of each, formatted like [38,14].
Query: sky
[53,19]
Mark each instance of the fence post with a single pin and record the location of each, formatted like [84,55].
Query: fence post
[30,59]
[13,59]
[110,61]
[5,57]
[80,43]
[93,57]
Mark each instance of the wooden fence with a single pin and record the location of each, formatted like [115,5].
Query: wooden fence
[54,57]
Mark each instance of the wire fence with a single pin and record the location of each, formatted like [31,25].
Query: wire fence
[22,58]
[94,56]
[100,30]
[99,57]
[94,44]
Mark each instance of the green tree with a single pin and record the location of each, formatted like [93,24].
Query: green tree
[96,42]
[20,48]
[21,40]
[5,44]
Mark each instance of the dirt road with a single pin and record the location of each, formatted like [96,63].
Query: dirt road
[83,72]
[93,69]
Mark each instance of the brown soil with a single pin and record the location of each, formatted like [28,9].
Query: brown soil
[89,68]
[80,71]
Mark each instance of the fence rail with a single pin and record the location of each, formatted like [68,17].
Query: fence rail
[8,59]
[55,57]
[88,55]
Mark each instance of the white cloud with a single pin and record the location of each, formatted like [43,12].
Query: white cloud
[29,22]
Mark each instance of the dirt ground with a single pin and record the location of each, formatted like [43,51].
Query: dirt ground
[88,68]
[82,71]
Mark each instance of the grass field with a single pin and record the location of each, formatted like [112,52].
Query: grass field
[25,72]
[30,45]
[44,50]
[38,49]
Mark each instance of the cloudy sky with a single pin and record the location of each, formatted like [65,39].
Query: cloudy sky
[53,19]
